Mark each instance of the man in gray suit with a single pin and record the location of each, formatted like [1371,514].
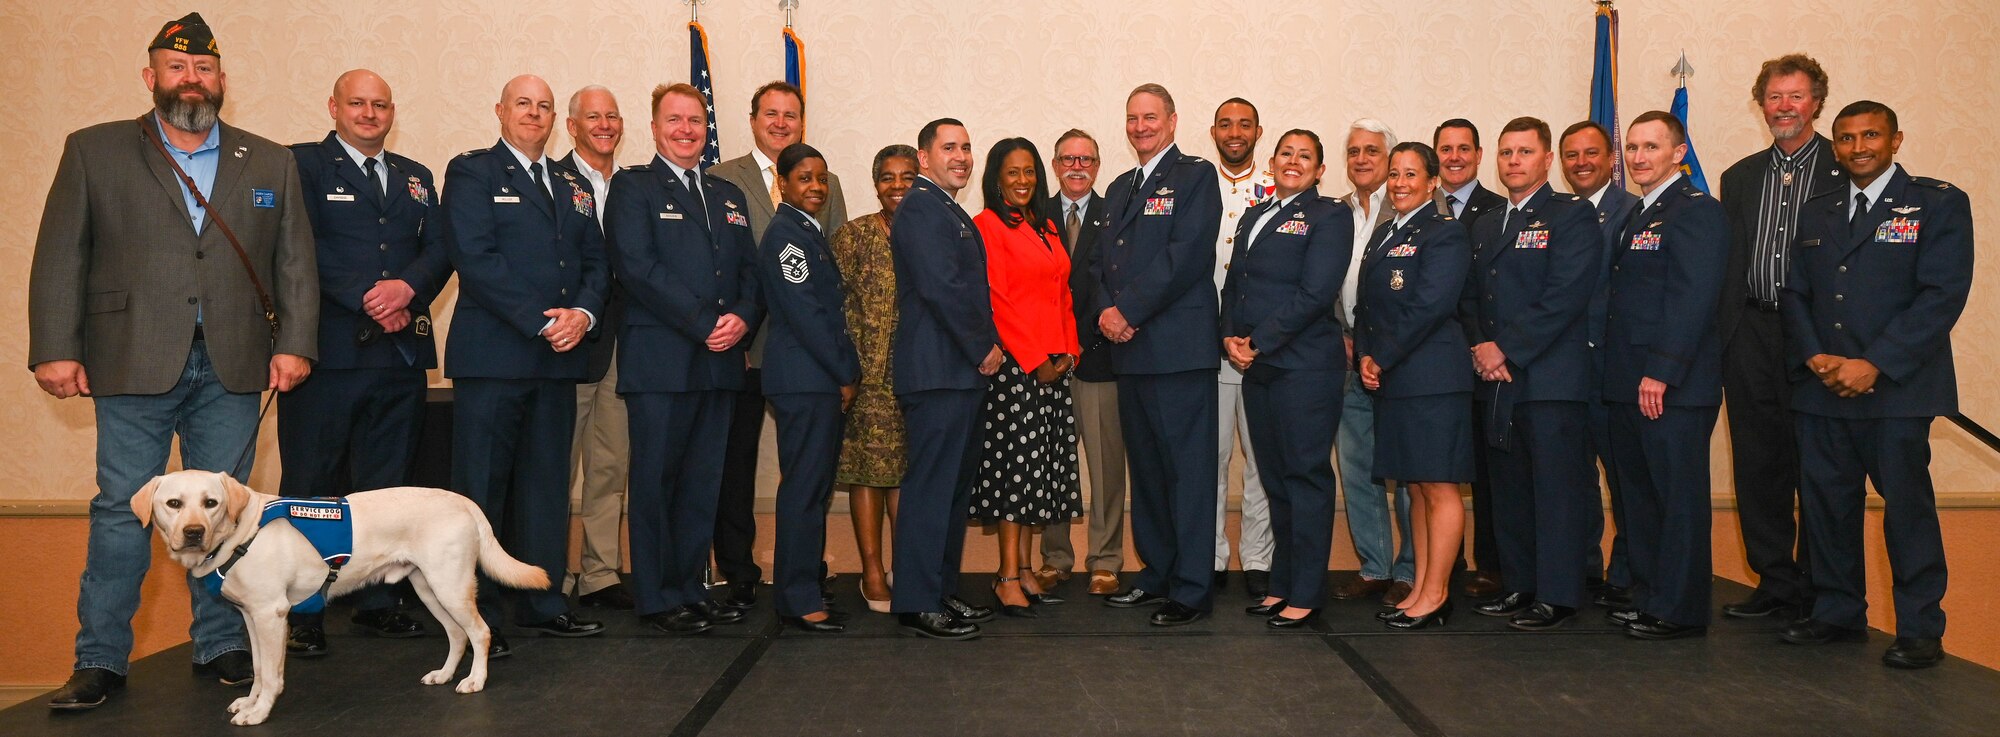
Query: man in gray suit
[777,120]
[138,300]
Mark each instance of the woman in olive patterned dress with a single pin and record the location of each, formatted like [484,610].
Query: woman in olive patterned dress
[871,453]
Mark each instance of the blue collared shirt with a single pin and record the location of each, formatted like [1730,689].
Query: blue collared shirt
[1874,190]
[1658,192]
[200,166]
[1463,195]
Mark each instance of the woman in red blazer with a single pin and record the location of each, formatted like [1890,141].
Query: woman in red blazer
[1027,471]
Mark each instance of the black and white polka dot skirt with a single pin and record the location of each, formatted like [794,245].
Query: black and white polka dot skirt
[1027,457]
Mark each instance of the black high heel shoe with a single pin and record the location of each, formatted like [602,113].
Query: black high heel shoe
[1020,612]
[1041,598]
[1265,610]
[1278,619]
[828,626]
[1436,618]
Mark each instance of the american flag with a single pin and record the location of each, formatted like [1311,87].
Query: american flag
[698,76]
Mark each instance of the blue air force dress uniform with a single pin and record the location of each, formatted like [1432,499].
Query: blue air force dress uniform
[1533,273]
[684,259]
[1614,207]
[353,424]
[944,331]
[1885,285]
[1660,324]
[1411,278]
[1155,263]
[808,357]
[1468,205]
[521,247]
[1289,259]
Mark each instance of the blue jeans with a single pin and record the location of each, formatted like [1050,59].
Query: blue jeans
[1367,499]
[134,433]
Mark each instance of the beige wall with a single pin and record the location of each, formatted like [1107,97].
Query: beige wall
[879,69]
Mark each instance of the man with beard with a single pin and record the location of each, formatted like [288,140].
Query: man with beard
[354,425]
[1585,148]
[1150,301]
[126,307]
[523,233]
[602,456]
[1242,184]
[777,120]
[1763,195]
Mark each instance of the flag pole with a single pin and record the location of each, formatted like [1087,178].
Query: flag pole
[1682,70]
[694,9]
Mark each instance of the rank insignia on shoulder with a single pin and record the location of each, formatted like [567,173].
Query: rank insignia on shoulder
[1905,210]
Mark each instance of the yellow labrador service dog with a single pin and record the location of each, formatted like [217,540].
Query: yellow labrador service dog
[433,537]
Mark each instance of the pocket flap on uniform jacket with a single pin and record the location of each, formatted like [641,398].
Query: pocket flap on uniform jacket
[104,302]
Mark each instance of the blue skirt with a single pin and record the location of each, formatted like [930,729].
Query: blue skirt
[1425,439]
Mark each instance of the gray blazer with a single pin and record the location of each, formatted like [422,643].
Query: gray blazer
[742,172]
[119,268]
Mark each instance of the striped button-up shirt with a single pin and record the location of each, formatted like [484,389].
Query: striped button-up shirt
[1786,186]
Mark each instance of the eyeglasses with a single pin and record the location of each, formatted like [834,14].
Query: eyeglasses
[1076,161]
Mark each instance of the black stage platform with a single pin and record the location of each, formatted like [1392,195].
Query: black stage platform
[1083,669]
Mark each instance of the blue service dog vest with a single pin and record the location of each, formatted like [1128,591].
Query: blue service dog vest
[325,522]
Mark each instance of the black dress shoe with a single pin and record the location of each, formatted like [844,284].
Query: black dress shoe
[1257,583]
[1279,621]
[684,620]
[1649,627]
[306,641]
[1613,597]
[1541,616]
[1134,598]
[742,595]
[1622,616]
[231,668]
[1175,614]
[1914,653]
[718,613]
[1759,604]
[1221,579]
[387,623]
[1506,606]
[967,613]
[1264,610]
[498,648]
[823,627]
[1401,619]
[1388,614]
[610,597]
[937,626]
[1815,632]
[567,625]
[87,688]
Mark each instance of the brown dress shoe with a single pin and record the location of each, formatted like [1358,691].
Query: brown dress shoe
[1483,584]
[1103,583]
[1397,592]
[1046,577]
[1358,587]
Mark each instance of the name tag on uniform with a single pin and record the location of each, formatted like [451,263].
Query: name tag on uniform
[267,198]
[1898,230]
[1646,241]
[507,199]
[1809,242]
[1537,239]
[1403,251]
[736,218]
[340,198]
[1294,227]
[1159,206]
[670,216]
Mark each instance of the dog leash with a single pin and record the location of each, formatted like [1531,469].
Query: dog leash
[258,429]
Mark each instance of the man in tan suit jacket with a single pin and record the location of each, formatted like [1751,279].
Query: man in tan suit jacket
[138,300]
[777,120]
